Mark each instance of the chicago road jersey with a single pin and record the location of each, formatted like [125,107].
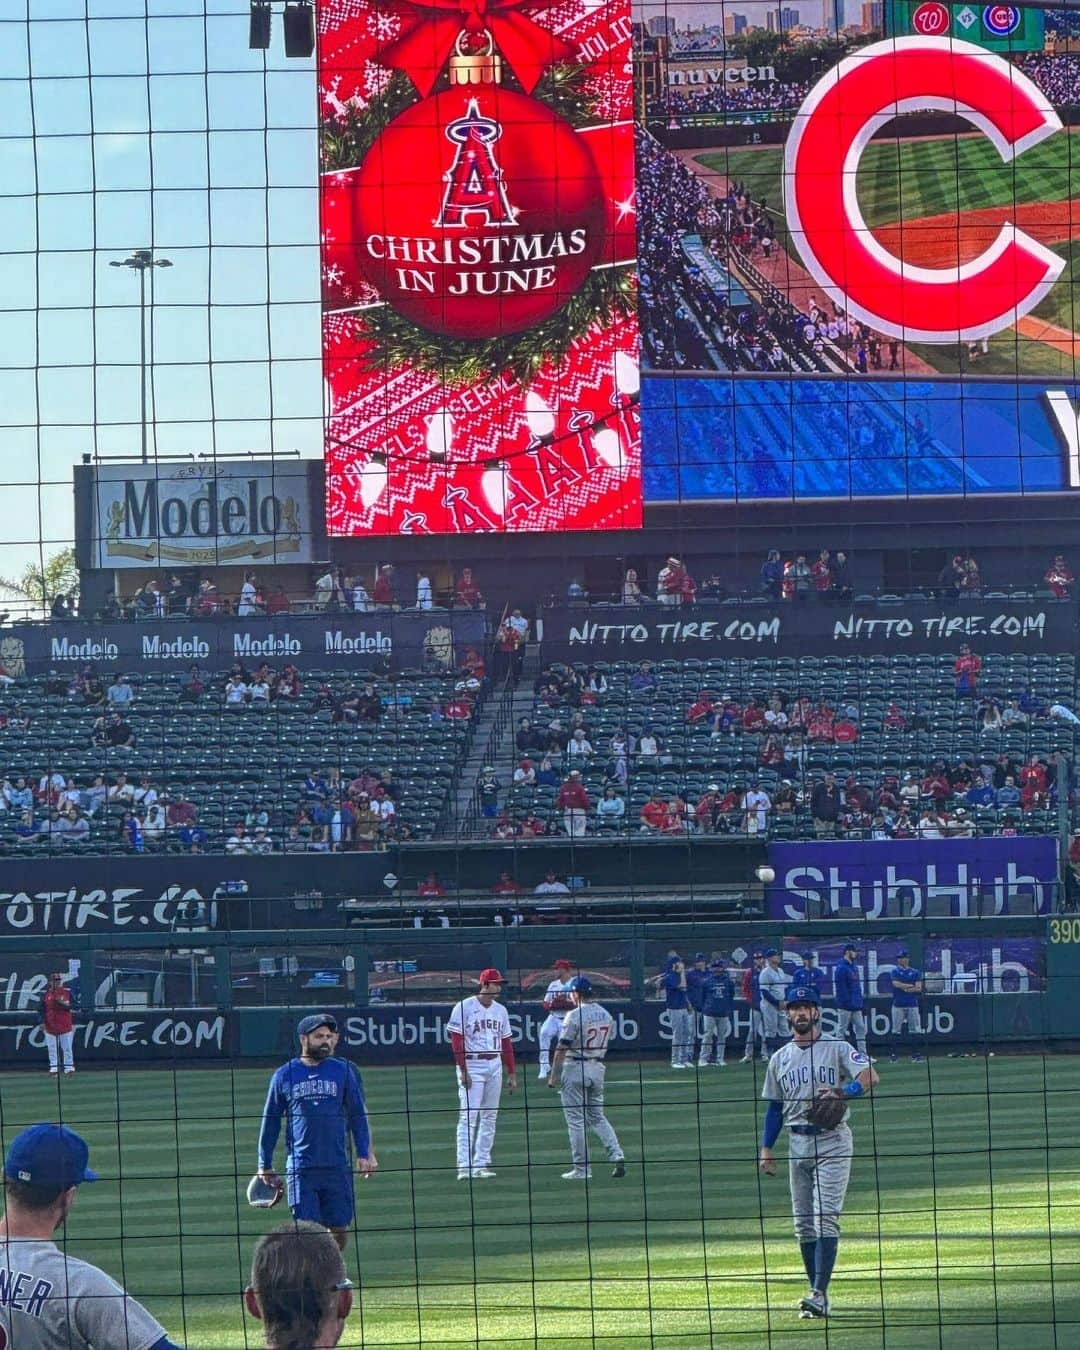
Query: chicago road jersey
[483,1029]
[587,1031]
[49,1301]
[799,1073]
[775,981]
[319,1103]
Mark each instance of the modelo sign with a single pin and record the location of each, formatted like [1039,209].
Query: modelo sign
[201,515]
[833,128]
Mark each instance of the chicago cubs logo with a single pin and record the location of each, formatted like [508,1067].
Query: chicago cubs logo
[1001,20]
[821,162]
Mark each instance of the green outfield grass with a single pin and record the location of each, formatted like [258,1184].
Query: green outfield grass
[961,1227]
[909,180]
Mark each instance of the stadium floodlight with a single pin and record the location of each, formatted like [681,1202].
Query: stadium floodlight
[299,29]
[141,261]
[259,25]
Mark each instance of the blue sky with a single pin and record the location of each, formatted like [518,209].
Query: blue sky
[133,123]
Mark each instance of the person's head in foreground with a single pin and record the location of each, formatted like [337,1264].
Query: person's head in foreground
[44,1167]
[298,1287]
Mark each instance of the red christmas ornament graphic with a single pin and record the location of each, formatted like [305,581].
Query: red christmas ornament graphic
[478,212]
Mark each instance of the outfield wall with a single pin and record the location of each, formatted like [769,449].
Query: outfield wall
[147,998]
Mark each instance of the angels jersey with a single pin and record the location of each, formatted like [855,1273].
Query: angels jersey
[557,999]
[799,1073]
[483,1029]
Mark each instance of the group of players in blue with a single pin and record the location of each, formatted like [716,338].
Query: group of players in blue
[700,1000]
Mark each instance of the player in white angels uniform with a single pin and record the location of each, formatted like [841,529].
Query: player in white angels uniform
[480,1036]
[557,1003]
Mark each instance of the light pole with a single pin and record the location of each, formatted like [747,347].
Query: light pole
[141,261]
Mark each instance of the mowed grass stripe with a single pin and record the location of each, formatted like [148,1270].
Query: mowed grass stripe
[673,1256]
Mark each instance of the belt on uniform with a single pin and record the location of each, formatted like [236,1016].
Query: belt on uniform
[806,1129]
[483,1054]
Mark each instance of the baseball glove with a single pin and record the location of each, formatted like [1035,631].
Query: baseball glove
[264,1192]
[827,1110]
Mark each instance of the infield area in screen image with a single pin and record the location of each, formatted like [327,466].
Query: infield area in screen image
[743,300]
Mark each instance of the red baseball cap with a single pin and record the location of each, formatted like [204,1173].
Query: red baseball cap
[563,964]
[491,976]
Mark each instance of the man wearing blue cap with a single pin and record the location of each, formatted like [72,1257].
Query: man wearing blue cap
[717,1011]
[321,1099]
[907,983]
[680,1015]
[48,1300]
[773,983]
[578,1072]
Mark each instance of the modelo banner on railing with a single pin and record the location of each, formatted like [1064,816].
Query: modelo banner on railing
[858,878]
[349,641]
[701,631]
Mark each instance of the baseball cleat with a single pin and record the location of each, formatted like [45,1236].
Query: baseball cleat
[747,1059]
[619,1169]
[464,1174]
[482,1173]
[577,1174]
[814,1304]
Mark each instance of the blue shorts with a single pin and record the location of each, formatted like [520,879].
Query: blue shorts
[323,1195]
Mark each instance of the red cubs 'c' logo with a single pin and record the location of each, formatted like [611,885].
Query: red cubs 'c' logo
[931,19]
[821,161]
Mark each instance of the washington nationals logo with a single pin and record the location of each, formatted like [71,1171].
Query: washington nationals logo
[834,126]
[474,182]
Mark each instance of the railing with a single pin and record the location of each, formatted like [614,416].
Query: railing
[504,711]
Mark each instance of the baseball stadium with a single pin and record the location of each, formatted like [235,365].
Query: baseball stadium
[659,934]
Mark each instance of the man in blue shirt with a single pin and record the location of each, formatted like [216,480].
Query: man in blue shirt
[321,1100]
[849,998]
[680,1015]
[907,983]
[809,976]
[717,1011]
[696,978]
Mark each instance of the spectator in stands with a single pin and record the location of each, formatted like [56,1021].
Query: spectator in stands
[671,583]
[259,692]
[1059,577]
[488,789]
[528,738]
[458,709]
[576,594]
[383,593]
[546,774]
[506,885]
[431,887]
[192,684]
[643,679]
[525,774]
[798,576]
[931,824]
[819,726]
[970,578]
[701,707]
[631,591]
[771,753]
[154,822]
[845,730]
[277,602]
[73,828]
[654,814]
[648,747]
[980,795]
[611,809]
[776,719]
[18,795]
[822,574]
[95,796]
[727,717]
[961,826]
[1030,703]
[466,592]
[236,694]
[121,694]
[250,597]
[950,579]
[825,805]
[551,885]
[967,669]
[756,806]
[573,801]
[596,682]
[841,579]
[60,608]
[119,733]
[786,800]
[131,829]
[772,575]
[509,652]
[145,795]
[753,718]
[990,721]
[1008,794]
[238,841]
[425,597]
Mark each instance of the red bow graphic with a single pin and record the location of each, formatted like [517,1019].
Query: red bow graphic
[425,46]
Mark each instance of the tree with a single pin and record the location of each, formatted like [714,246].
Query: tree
[57,574]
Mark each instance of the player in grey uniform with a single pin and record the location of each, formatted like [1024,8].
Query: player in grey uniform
[51,1301]
[773,983]
[578,1072]
[819,1160]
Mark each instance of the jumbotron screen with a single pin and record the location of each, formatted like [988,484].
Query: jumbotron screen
[845,229]
[480,327]
[857,249]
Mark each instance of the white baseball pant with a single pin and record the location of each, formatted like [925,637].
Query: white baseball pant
[906,1019]
[478,1110]
[65,1043]
[682,1035]
[582,1093]
[549,1034]
[755,1030]
[819,1167]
